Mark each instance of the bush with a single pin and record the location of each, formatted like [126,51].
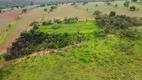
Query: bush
[24,10]
[126,4]
[112,14]
[55,26]
[97,13]
[45,9]
[132,8]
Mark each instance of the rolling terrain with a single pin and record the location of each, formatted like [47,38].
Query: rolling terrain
[72,41]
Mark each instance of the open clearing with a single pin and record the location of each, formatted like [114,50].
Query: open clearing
[22,25]
[82,26]
[105,9]
[68,11]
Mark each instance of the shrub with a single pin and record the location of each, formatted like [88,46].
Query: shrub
[24,10]
[45,9]
[97,12]
[132,8]
[126,4]
[55,26]
[112,13]
[115,5]
[57,21]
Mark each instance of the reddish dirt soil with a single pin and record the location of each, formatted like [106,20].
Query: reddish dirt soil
[10,14]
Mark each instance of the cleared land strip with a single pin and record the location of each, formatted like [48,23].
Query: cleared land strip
[22,25]
[68,11]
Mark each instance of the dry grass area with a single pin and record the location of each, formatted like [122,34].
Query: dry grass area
[68,11]
[4,24]
[22,25]
[105,9]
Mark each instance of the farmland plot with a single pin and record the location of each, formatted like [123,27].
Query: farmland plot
[68,11]
[6,18]
[22,25]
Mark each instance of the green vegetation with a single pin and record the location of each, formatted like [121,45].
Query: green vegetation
[83,26]
[107,48]
[100,58]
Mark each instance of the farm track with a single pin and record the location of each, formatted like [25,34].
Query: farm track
[40,53]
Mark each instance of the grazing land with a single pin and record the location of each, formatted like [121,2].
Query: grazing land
[82,26]
[72,41]
[68,11]
[105,9]
[100,58]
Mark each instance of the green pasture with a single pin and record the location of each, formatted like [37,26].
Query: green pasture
[81,26]
[97,59]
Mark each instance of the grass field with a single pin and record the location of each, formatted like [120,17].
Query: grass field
[105,9]
[68,11]
[22,25]
[82,26]
[99,58]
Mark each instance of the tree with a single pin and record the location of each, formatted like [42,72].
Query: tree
[24,10]
[115,5]
[97,12]
[112,13]
[132,8]
[0,11]
[134,0]
[126,4]
[96,5]
[45,9]
[108,3]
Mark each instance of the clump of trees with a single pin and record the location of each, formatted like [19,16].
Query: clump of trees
[113,22]
[71,20]
[97,13]
[126,4]
[24,10]
[112,14]
[31,41]
[52,8]
[35,24]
